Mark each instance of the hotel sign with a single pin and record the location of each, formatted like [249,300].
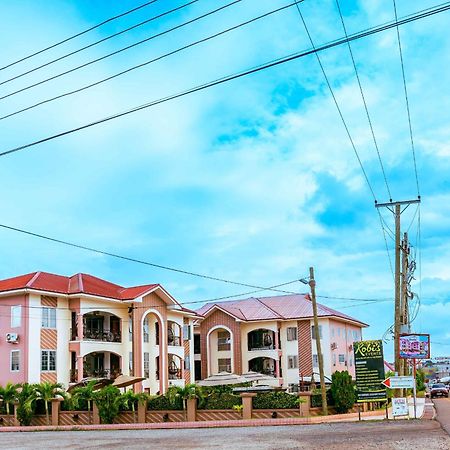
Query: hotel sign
[414,346]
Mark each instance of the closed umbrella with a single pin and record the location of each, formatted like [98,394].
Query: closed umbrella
[223,378]
[256,377]
[126,380]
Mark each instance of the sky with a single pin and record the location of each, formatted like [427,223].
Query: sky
[252,181]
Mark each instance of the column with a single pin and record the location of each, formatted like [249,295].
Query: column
[79,368]
[277,361]
[247,403]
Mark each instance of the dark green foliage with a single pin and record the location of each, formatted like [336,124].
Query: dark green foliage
[316,399]
[420,380]
[343,391]
[165,402]
[275,400]
[108,401]
[27,403]
[215,400]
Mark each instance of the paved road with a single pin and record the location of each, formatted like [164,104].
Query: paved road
[442,406]
[398,435]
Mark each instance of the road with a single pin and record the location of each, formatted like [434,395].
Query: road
[398,435]
[442,406]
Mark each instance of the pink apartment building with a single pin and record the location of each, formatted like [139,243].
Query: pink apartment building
[63,329]
[275,336]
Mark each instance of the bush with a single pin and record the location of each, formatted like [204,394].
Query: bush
[164,402]
[343,391]
[420,380]
[27,404]
[220,401]
[316,399]
[275,400]
[108,401]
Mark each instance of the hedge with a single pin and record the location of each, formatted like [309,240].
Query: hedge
[162,403]
[275,400]
[219,401]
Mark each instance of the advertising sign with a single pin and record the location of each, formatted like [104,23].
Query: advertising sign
[369,365]
[399,382]
[399,407]
[414,346]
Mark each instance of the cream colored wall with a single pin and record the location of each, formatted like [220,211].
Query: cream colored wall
[176,349]
[63,323]
[325,345]
[34,339]
[215,354]
[151,383]
[289,348]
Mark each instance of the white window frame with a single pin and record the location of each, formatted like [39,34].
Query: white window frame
[292,361]
[146,364]
[11,361]
[341,360]
[16,316]
[146,330]
[48,320]
[186,332]
[313,333]
[228,366]
[291,334]
[47,354]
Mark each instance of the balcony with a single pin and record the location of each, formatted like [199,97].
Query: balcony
[101,335]
[97,326]
[261,339]
[173,334]
[98,365]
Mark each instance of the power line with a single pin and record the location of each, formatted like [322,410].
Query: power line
[420,15]
[151,61]
[335,101]
[365,103]
[158,16]
[139,261]
[92,61]
[79,34]
[386,244]
[267,65]
[407,102]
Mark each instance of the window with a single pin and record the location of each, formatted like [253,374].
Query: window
[332,331]
[48,317]
[355,335]
[334,359]
[315,361]
[291,333]
[223,341]
[186,332]
[350,361]
[146,365]
[16,316]
[15,360]
[313,333]
[293,362]
[187,363]
[145,330]
[130,330]
[197,344]
[339,331]
[341,358]
[224,365]
[48,360]
[130,363]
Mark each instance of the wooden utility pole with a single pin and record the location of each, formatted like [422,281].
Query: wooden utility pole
[395,208]
[312,285]
[404,319]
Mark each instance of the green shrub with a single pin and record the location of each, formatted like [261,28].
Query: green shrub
[343,391]
[275,400]
[420,380]
[27,403]
[316,398]
[164,402]
[220,401]
[108,401]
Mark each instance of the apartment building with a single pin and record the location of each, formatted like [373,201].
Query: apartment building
[274,336]
[63,329]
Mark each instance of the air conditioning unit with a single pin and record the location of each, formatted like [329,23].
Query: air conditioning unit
[13,338]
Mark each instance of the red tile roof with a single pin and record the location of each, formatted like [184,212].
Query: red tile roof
[80,283]
[283,307]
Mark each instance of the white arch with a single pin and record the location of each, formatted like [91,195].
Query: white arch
[208,353]
[162,339]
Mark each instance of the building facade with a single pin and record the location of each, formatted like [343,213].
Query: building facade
[63,329]
[274,336]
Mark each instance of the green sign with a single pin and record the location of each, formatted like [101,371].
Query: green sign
[369,365]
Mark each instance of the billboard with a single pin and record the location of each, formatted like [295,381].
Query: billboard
[369,367]
[414,346]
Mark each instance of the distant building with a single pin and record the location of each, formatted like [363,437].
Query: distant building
[274,336]
[63,329]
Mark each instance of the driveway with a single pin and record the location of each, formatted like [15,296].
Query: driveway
[398,435]
[442,406]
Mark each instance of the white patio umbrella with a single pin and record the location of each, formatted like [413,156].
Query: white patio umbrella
[222,378]
[256,377]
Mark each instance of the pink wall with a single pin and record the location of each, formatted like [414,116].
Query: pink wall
[5,348]
[343,338]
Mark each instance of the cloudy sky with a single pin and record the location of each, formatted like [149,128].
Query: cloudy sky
[254,180]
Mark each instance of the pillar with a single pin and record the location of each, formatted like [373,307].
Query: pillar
[191,406]
[142,411]
[305,403]
[80,327]
[16,421]
[79,368]
[277,361]
[247,403]
[56,404]
[95,415]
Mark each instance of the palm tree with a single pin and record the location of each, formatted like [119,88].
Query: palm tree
[47,391]
[85,394]
[131,399]
[26,399]
[186,392]
[9,395]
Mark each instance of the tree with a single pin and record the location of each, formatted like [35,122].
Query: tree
[130,400]
[108,401]
[186,392]
[420,380]
[9,395]
[47,391]
[26,399]
[342,391]
[84,394]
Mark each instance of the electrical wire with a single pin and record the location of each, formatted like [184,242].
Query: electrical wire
[79,34]
[407,101]
[48,63]
[365,103]
[101,58]
[417,16]
[151,61]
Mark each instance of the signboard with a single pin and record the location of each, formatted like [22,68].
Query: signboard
[414,346]
[399,382]
[399,407]
[369,367]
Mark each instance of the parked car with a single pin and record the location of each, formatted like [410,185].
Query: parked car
[438,390]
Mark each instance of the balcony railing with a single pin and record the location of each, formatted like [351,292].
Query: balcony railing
[102,335]
[174,374]
[261,347]
[174,340]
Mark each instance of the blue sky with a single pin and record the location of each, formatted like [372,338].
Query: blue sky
[254,180]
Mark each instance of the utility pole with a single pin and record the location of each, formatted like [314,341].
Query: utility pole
[312,285]
[396,209]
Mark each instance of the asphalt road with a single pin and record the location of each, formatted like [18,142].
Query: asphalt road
[442,406]
[398,435]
